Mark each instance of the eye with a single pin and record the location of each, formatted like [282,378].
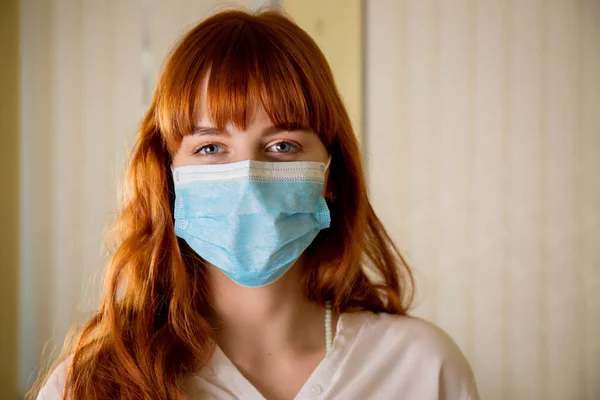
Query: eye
[282,147]
[208,149]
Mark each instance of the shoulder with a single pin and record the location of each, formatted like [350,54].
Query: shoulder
[417,351]
[54,387]
[412,334]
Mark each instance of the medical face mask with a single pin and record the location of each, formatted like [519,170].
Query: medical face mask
[250,219]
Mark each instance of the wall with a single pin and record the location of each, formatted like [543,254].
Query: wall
[9,199]
[483,146]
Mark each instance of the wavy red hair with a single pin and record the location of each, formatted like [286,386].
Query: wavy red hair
[152,328]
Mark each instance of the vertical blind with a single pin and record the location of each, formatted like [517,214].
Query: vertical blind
[483,149]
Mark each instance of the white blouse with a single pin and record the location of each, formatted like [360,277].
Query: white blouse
[374,356]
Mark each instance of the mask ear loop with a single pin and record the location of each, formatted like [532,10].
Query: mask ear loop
[330,197]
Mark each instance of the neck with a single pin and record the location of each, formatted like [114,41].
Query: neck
[254,323]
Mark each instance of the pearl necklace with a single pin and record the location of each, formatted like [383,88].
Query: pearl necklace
[328,330]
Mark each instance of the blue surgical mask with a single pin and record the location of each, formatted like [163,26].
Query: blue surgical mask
[250,219]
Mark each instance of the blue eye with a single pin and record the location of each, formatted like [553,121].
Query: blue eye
[282,147]
[209,149]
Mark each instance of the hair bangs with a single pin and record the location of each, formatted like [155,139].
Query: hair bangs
[255,72]
[249,61]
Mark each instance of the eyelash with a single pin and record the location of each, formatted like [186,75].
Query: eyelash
[198,149]
[295,147]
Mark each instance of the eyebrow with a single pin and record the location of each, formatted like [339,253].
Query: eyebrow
[212,131]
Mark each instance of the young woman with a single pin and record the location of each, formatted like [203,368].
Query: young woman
[249,262]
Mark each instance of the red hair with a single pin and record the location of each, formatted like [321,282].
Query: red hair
[152,328]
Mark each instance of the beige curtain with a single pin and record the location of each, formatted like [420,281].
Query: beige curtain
[483,147]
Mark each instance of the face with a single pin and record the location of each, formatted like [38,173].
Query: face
[261,141]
